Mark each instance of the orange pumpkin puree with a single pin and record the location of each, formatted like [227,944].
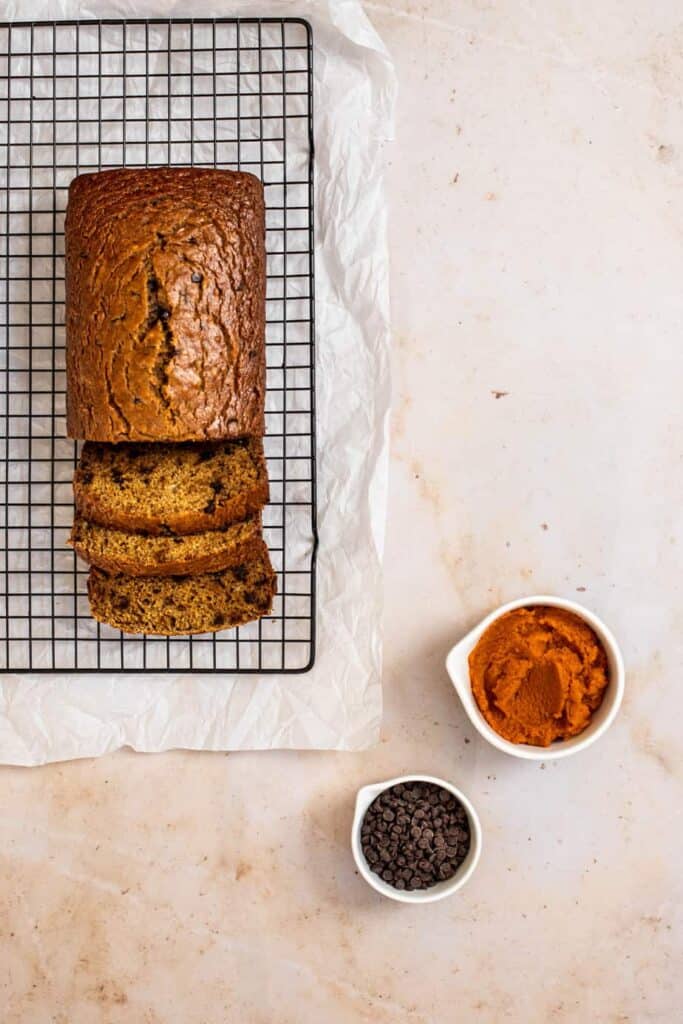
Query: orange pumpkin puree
[538,674]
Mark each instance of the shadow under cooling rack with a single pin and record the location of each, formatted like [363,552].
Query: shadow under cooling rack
[84,96]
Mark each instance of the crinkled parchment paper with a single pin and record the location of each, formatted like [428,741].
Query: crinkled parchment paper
[337,705]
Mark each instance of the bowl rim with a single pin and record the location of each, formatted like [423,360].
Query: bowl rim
[561,748]
[365,796]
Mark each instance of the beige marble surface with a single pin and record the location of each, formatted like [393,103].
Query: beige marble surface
[536,191]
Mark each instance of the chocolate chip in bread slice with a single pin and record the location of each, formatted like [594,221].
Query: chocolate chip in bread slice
[181,605]
[139,554]
[160,488]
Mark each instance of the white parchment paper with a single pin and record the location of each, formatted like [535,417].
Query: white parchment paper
[338,703]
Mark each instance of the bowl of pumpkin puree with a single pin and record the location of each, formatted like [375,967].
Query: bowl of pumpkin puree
[540,678]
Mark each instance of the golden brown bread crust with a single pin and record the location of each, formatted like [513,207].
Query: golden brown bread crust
[140,554]
[162,488]
[179,605]
[165,305]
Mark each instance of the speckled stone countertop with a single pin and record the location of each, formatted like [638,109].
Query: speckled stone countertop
[537,260]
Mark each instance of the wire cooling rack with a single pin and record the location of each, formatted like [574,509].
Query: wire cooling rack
[82,96]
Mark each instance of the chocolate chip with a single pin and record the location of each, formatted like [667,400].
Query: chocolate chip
[409,838]
[240,572]
[86,477]
[117,477]
[219,620]
[196,278]
[216,486]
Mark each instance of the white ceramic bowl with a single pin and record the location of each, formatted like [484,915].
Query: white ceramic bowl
[442,889]
[458,669]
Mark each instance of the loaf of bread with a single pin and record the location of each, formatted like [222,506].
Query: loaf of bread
[171,488]
[165,305]
[177,605]
[139,554]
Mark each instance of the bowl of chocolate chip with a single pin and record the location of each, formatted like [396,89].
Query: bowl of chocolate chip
[415,839]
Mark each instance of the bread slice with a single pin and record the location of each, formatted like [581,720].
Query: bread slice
[139,554]
[180,605]
[171,488]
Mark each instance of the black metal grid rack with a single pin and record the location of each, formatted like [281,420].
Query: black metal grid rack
[77,96]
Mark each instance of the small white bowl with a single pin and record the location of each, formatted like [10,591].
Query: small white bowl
[365,797]
[457,665]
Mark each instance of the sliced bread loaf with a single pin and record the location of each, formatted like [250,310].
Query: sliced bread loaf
[171,488]
[180,605]
[165,304]
[140,554]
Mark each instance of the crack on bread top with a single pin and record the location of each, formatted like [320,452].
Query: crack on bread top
[158,315]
